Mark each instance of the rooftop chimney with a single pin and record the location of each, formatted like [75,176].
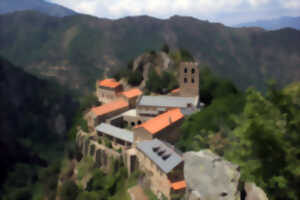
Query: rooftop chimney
[170,120]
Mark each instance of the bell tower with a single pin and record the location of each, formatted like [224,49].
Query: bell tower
[189,79]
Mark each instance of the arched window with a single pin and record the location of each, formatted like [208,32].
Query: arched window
[185,80]
[185,70]
[132,124]
[193,71]
[193,81]
[139,122]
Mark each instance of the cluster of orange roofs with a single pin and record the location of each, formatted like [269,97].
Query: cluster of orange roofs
[152,125]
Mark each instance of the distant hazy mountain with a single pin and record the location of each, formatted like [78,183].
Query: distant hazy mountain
[275,24]
[8,6]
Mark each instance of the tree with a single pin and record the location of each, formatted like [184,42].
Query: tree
[266,144]
[69,190]
[165,48]
[135,78]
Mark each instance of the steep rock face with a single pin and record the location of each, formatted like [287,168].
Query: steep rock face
[209,177]
[254,193]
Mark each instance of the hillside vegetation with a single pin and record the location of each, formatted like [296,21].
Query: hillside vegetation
[76,50]
[34,119]
[258,132]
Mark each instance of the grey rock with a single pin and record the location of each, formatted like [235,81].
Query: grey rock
[210,177]
[254,192]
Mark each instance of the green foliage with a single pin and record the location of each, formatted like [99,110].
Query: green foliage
[210,128]
[69,190]
[259,133]
[86,103]
[135,78]
[213,123]
[109,186]
[182,55]
[186,56]
[165,48]
[266,133]
[160,83]
[85,166]
[212,87]
[107,142]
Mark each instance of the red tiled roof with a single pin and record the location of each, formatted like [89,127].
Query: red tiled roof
[111,83]
[178,185]
[132,93]
[162,121]
[175,90]
[110,107]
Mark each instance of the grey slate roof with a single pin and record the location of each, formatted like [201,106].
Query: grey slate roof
[116,132]
[151,149]
[168,101]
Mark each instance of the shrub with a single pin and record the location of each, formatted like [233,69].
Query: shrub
[165,48]
[69,191]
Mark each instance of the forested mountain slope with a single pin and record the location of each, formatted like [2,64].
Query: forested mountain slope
[34,119]
[8,6]
[78,49]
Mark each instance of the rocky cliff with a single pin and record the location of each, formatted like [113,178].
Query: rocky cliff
[210,177]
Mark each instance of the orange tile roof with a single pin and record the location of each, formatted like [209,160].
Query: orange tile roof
[162,121]
[178,185]
[175,90]
[111,83]
[132,93]
[109,107]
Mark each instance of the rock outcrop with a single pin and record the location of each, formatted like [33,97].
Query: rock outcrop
[158,60]
[254,193]
[210,177]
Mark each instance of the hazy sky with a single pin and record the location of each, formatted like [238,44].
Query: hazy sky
[225,11]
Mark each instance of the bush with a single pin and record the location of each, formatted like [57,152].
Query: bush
[69,191]
[165,48]
[135,78]
[160,84]
[107,143]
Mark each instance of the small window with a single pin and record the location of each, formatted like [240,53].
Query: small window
[185,80]
[193,81]
[132,124]
[193,71]
[185,70]
[139,122]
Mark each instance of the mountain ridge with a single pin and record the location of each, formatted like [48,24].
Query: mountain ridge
[52,9]
[77,50]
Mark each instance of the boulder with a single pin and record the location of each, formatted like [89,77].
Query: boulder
[210,177]
[254,193]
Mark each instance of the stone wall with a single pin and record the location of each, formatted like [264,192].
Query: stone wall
[100,153]
[157,180]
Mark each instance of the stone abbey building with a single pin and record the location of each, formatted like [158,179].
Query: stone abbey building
[142,130]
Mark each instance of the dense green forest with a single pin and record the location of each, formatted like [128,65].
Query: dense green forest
[259,132]
[34,119]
